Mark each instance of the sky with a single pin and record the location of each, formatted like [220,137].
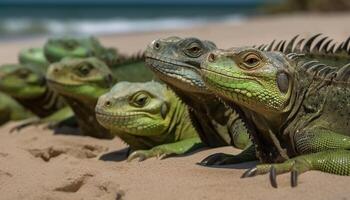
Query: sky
[133,1]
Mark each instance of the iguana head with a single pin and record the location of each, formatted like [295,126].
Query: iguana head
[176,61]
[33,56]
[258,80]
[80,78]
[144,109]
[22,81]
[56,49]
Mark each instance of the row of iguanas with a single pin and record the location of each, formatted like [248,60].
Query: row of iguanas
[286,104]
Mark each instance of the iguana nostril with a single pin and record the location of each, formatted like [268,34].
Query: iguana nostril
[56,70]
[211,57]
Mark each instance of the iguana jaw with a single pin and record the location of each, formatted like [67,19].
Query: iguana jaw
[135,123]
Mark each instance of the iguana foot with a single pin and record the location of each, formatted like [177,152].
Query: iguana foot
[25,124]
[330,161]
[145,154]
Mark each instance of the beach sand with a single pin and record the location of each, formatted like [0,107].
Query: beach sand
[38,164]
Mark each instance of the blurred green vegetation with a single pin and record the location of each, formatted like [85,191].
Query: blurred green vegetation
[310,6]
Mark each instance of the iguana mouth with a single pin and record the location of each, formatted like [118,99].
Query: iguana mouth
[119,115]
[164,67]
[221,75]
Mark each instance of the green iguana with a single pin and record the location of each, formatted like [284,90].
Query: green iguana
[33,56]
[10,110]
[55,49]
[149,117]
[81,81]
[27,85]
[126,68]
[297,110]
[176,62]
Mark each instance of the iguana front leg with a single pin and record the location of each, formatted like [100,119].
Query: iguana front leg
[164,150]
[320,149]
[331,161]
[240,140]
[246,155]
[53,119]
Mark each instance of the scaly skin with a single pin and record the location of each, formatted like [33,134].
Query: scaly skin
[176,62]
[299,111]
[33,56]
[10,110]
[149,117]
[81,81]
[27,85]
[55,49]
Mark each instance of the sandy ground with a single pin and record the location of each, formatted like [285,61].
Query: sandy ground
[37,164]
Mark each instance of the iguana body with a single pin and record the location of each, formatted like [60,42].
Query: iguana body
[81,81]
[176,62]
[11,110]
[298,111]
[27,85]
[149,117]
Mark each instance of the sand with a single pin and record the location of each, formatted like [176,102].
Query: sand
[38,164]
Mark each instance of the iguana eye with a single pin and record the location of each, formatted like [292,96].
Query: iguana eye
[194,50]
[251,60]
[23,73]
[140,100]
[85,70]
[70,44]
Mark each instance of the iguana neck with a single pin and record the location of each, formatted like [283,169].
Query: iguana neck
[180,123]
[43,105]
[204,109]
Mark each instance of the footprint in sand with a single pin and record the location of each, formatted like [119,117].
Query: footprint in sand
[86,182]
[81,152]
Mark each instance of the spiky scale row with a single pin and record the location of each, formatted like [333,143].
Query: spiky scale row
[320,47]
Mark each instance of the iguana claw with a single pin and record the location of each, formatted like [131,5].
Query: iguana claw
[294,178]
[273,177]
[250,173]
[215,159]
[137,154]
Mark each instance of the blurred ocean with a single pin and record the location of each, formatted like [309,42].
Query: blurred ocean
[18,21]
